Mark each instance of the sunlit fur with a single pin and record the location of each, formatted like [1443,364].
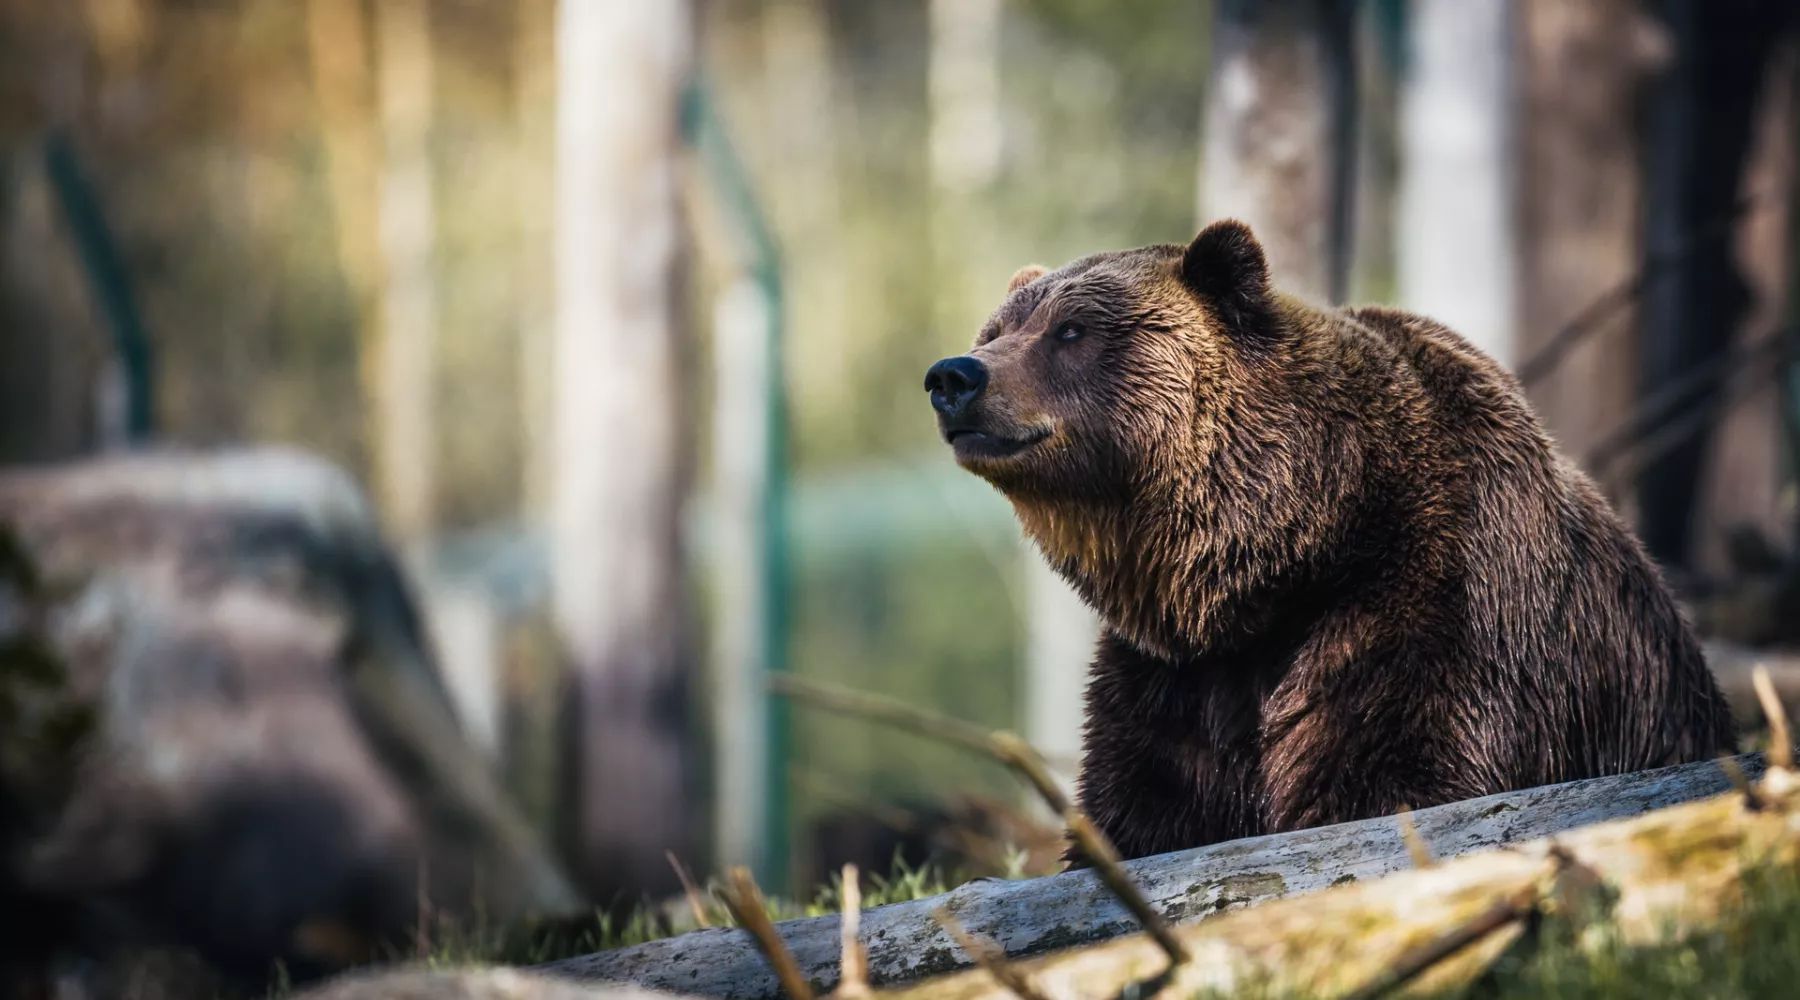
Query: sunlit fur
[1342,568]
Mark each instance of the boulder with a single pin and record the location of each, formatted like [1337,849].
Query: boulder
[222,726]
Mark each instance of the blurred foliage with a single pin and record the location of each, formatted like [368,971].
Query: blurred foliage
[888,272]
[199,122]
[918,626]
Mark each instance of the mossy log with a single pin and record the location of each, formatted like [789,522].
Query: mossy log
[1659,876]
[1041,915]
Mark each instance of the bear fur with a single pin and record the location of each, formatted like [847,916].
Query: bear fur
[1342,570]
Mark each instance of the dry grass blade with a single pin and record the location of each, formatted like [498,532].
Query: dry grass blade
[1781,743]
[1415,842]
[853,966]
[987,955]
[746,903]
[1735,774]
[1411,964]
[1105,859]
[696,901]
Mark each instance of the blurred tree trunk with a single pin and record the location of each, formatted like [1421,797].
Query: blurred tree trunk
[1700,126]
[53,345]
[405,446]
[1581,72]
[1742,484]
[1277,148]
[620,437]
[534,94]
[1456,245]
[379,175]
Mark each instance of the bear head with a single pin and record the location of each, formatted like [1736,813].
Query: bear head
[1156,417]
[1089,380]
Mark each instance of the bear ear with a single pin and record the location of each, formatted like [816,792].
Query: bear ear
[1025,276]
[1226,268]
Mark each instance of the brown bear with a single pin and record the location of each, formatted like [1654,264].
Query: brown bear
[1342,569]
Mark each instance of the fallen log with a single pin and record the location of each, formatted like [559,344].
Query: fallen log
[1037,916]
[1653,878]
[467,984]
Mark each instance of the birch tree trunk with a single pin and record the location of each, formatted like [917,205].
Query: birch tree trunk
[1275,150]
[1456,248]
[620,442]
[534,84]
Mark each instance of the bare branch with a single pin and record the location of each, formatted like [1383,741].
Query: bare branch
[1105,858]
[881,708]
[1514,906]
[746,903]
[987,955]
[1016,754]
[696,901]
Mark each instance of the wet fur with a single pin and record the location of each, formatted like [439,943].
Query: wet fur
[1341,567]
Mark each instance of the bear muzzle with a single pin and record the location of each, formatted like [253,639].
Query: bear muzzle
[973,430]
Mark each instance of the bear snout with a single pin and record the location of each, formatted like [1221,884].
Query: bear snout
[954,383]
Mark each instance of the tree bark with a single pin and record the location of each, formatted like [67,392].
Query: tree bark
[1275,149]
[620,441]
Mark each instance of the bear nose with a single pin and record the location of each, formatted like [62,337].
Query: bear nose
[954,382]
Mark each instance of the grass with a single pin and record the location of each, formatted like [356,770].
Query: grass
[1754,953]
[536,942]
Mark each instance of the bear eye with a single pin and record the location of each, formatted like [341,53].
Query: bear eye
[1068,332]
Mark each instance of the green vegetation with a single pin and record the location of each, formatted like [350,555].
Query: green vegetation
[1755,954]
[535,942]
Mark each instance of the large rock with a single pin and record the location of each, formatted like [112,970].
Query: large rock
[221,725]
